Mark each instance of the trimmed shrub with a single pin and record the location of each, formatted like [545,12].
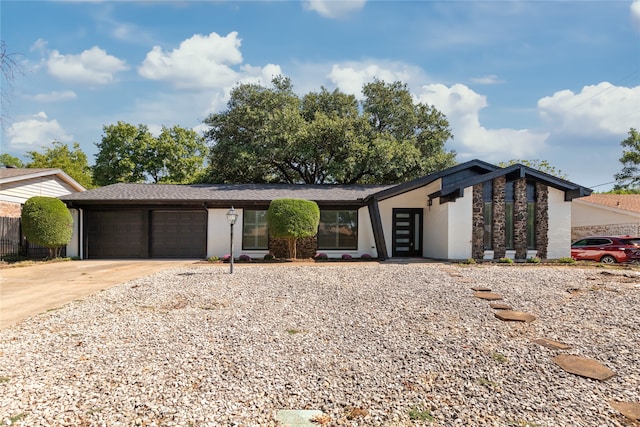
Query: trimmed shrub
[533,260]
[213,259]
[269,257]
[47,222]
[505,261]
[226,258]
[347,257]
[244,258]
[293,219]
[321,257]
[366,257]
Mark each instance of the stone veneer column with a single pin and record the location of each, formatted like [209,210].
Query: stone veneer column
[520,218]
[477,235]
[499,236]
[542,220]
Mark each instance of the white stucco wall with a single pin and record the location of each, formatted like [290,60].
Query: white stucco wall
[73,248]
[587,214]
[559,225]
[412,199]
[460,226]
[218,243]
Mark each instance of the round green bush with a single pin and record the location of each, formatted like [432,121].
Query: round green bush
[293,219]
[47,222]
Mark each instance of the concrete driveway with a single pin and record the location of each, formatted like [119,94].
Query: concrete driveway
[30,290]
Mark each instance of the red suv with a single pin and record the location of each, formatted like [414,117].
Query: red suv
[607,249]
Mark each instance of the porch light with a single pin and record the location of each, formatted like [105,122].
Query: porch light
[232,216]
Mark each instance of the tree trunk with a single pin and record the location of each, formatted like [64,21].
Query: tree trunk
[292,248]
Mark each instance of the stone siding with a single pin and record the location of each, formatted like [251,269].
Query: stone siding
[629,229]
[542,220]
[499,219]
[305,248]
[520,218]
[477,243]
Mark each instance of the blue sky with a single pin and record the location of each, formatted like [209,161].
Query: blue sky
[549,80]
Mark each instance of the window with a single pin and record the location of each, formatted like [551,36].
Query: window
[255,234]
[487,198]
[338,230]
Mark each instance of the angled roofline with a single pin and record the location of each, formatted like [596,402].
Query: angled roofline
[43,172]
[571,189]
[422,181]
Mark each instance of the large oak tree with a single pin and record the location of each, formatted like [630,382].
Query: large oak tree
[270,134]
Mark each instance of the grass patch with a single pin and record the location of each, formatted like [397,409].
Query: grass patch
[295,331]
[499,357]
[418,413]
[487,382]
[4,380]
[16,418]
[505,260]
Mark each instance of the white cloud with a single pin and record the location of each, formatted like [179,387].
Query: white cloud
[39,45]
[92,66]
[635,13]
[597,109]
[200,61]
[490,79]
[462,107]
[35,132]
[350,77]
[333,8]
[53,96]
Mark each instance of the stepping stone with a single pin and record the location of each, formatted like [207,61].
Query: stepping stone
[628,409]
[487,295]
[500,306]
[480,289]
[514,316]
[553,345]
[297,417]
[584,367]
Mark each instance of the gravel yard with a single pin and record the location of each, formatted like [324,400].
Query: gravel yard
[366,343]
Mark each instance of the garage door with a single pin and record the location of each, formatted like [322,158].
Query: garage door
[178,234]
[116,234]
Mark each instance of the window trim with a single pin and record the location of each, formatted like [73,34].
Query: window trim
[337,247]
[255,237]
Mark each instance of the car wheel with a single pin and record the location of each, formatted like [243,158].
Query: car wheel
[608,259]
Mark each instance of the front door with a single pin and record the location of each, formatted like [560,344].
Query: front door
[407,233]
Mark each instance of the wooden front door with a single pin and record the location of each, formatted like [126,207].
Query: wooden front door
[407,233]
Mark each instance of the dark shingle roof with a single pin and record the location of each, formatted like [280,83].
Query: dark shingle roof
[224,192]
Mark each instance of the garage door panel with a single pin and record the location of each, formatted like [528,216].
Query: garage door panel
[178,234]
[116,234]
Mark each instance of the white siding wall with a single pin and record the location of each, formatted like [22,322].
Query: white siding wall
[20,191]
[461,226]
[559,225]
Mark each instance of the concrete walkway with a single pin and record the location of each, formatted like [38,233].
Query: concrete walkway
[29,290]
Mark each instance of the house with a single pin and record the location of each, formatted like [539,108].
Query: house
[606,215]
[474,209]
[19,184]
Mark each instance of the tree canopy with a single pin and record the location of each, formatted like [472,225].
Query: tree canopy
[293,219]
[9,160]
[273,135]
[541,165]
[629,177]
[129,153]
[73,162]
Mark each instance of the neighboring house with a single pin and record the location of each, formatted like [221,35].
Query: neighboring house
[606,215]
[19,184]
[472,210]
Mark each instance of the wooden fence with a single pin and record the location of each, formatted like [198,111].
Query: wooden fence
[12,243]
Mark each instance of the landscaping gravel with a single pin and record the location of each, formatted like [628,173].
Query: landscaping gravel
[388,344]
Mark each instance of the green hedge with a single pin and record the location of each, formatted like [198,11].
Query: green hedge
[293,219]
